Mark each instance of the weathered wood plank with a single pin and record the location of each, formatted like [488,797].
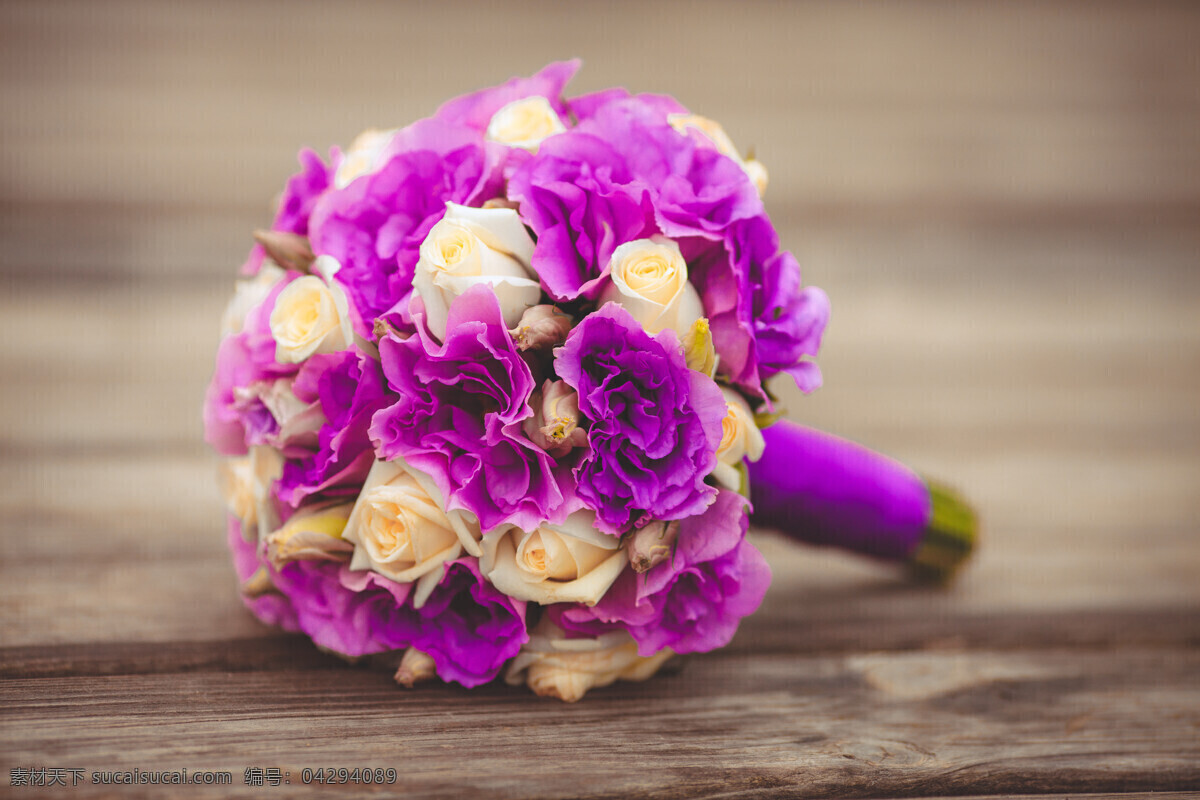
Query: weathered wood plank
[818,629]
[862,726]
[1086,796]
[1001,204]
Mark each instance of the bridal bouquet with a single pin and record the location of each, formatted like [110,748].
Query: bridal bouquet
[489,391]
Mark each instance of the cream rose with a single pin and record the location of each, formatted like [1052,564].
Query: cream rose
[650,279]
[364,157]
[556,666]
[471,246]
[525,123]
[568,563]
[713,132]
[400,528]
[740,439]
[247,295]
[311,315]
[266,467]
[235,476]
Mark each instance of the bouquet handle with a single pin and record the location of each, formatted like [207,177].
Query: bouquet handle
[825,490]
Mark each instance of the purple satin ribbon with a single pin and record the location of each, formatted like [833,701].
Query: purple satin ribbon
[818,488]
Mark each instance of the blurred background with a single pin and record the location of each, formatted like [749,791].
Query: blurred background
[1001,200]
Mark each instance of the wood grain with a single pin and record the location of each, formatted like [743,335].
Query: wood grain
[776,725]
[1001,201]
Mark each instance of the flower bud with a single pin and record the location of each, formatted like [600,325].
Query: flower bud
[555,425]
[568,676]
[313,536]
[541,328]
[555,665]
[698,348]
[651,545]
[500,202]
[288,250]
[415,667]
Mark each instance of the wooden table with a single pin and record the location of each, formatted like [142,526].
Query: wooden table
[1003,203]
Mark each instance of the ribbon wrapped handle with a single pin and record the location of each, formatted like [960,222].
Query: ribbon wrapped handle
[821,489]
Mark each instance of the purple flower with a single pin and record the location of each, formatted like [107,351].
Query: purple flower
[587,106]
[459,418]
[348,386]
[354,621]
[788,322]
[695,190]
[296,203]
[654,424]
[692,602]
[578,196]
[272,609]
[469,627]
[301,193]
[475,110]
[374,227]
[762,322]
[233,418]
[622,174]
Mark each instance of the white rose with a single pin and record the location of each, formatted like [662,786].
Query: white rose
[650,279]
[400,528]
[235,477]
[266,467]
[364,157]
[476,245]
[311,315]
[525,123]
[740,439]
[714,133]
[568,563]
[556,666]
[247,295]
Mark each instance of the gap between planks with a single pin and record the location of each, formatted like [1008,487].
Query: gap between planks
[1085,632]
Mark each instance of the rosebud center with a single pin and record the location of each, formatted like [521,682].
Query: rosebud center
[390,532]
[455,245]
[303,312]
[653,272]
[529,120]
